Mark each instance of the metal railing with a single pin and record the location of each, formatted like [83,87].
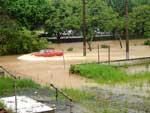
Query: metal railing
[14,85]
[57,91]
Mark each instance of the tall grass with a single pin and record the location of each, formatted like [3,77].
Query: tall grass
[78,95]
[139,77]
[7,84]
[99,72]
[107,74]
[2,105]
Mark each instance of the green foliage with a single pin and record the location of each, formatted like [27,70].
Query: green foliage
[147,42]
[65,15]
[100,73]
[58,16]
[144,76]
[17,40]
[139,20]
[7,84]
[22,41]
[100,15]
[30,13]
[2,105]
[78,95]
[108,74]
[119,5]
[70,49]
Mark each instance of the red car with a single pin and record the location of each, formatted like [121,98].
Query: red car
[48,53]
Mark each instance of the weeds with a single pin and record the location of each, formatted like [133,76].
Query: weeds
[2,105]
[7,84]
[108,74]
[78,95]
[100,73]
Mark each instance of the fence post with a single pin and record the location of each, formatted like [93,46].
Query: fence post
[15,94]
[64,59]
[71,106]
[98,54]
[109,54]
[56,94]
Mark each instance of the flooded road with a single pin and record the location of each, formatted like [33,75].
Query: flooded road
[52,69]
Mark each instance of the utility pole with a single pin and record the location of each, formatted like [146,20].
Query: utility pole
[126,29]
[84,27]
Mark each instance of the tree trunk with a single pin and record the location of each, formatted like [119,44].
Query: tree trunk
[58,36]
[143,30]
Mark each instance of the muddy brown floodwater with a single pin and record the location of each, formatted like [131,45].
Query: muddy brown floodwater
[52,70]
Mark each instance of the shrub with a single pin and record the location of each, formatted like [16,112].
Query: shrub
[22,41]
[70,49]
[147,42]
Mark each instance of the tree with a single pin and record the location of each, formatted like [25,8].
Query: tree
[65,16]
[99,16]
[118,5]
[15,40]
[31,14]
[139,20]
[7,27]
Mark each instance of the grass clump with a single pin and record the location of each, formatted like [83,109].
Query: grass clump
[140,77]
[103,73]
[104,46]
[7,84]
[78,95]
[99,72]
[70,49]
[2,105]
[147,42]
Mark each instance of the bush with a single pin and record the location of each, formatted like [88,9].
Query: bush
[147,42]
[22,41]
[70,49]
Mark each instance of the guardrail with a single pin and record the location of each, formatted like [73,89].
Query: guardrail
[64,94]
[131,59]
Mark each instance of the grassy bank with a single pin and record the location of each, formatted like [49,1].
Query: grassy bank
[100,73]
[106,73]
[7,85]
